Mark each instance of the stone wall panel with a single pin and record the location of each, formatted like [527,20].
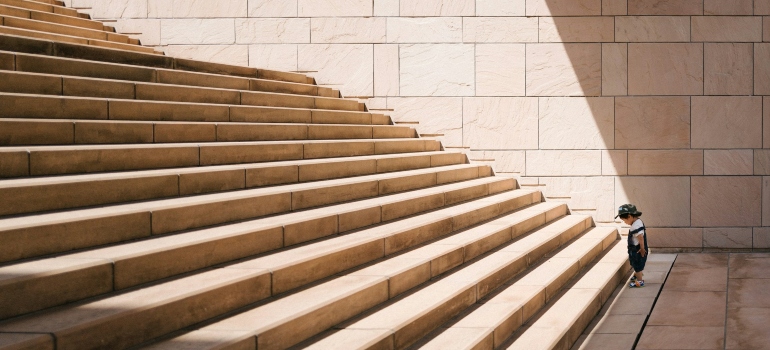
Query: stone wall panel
[425,30]
[500,30]
[513,8]
[272,8]
[350,66]
[576,29]
[491,123]
[386,81]
[652,122]
[727,238]
[727,8]
[614,162]
[726,122]
[347,30]
[614,7]
[728,69]
[197,31]
[652,29]
[334,8]
[116,8]
[273,56]
[196,8]
[386,7]
[564,7]
[589,195]
[614,69]
[438,8]
[762,69]
[564,163]
[726,28]
[149,29]
[272,30]
[500,70]
[437,70]
[666,7]
[665,69]
[664,201]
[436,115]
[721,201]
[564,69]
[728,162]
[228,54]
[576,123]
[665,162]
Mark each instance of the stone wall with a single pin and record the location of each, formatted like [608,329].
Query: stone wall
[596,102]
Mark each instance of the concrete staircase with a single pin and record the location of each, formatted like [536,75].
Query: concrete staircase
[151,201]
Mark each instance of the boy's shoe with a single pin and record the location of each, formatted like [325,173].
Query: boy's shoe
[636,284]
[633,278]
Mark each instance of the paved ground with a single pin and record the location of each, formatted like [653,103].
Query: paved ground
[708,301]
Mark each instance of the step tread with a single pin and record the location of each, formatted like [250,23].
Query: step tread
[36,5]
[55,17]
[52,27]
[58,37]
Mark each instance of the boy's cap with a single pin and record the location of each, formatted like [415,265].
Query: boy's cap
[628,209]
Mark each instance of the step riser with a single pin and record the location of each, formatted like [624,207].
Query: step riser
[40,35]
[55,238]
[49,107]
[102,276]
[23,132]
[49,27]
[37,6]
[49,17]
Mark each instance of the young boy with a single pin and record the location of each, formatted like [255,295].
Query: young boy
[637,242]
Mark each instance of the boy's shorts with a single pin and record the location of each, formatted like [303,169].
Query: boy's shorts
[637,260]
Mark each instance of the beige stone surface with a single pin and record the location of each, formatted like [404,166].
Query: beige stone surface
[725,237]
[500,29]
[576,123]
[228,54]
[721,201]
[272,8]
[425,30]
[437,115]
[197,31]
[386,76]
[761,237]
[665,162]
[652,29]
[196,8]
[564,69]
[119,8]
[665,7]
[149,29]
[766,28]
[614,69]
[665,201]
[762,7]
[386,7]
[504,161]
[348,65]
[652,122]
[437,70]
[564,163]
[614,162]
[564,7]
[678,337]
[334,8]
[273,56]
[347,30]
[766,122]
[725,8]
[500,7]
[726,28]
[665,69]
[726,122]
[593,193]
[500,69]
[272,31]
[766,201]
[438,8]
[728,162]
[728,69]
[576,29]
[614,7]
[675,237]
[762,68]
[500,122]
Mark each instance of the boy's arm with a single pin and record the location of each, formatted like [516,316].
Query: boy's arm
[642,248]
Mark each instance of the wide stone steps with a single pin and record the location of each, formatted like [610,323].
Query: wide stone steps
[290,320]
[562,324]
[38,74]
[38,284]
[41,234]
[7,30]
[21,12]
[130,318]
[64,29]
[43,6]
[495,320]
[29,195]
[61,107]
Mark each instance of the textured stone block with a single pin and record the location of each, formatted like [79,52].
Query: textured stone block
[766,201]
[197,31]
[437,70]
[665,69]
[762,69]
[761,237]
[766,28]
[196,8]
[500,70]
[348,65]
[652,122]
[347,30]
[665,162]
[495,29]
[766,122]
[500,7]
[564,7]
[664,200]
[726,28]
[228,54]
[436,115]
[726,201]
[386,75]
[576,123]
[728,162]
[652,29]
[272,8]
[438,8]
[564,163]
[659,237]
[425,30]
[576,29]
[149,29]
[386,7]
[564,69]
[665,7]
[504,161]
[614,69]
[119,9]
[727,8]
[583,193]
[282,57]
[334,8]
[272,30]
[614,162]
[614,7]
[728,69]
[730,238]
[762,7]
[726,122]
[500,122]
[761,162]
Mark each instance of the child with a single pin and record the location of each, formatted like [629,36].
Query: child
[637,242]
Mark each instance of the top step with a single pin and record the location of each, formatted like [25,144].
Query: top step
[44,6]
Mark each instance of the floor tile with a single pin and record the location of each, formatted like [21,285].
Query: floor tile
[747,328]
[689,309]
[605,341]
[748,293]
[749,265]
[670,337]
